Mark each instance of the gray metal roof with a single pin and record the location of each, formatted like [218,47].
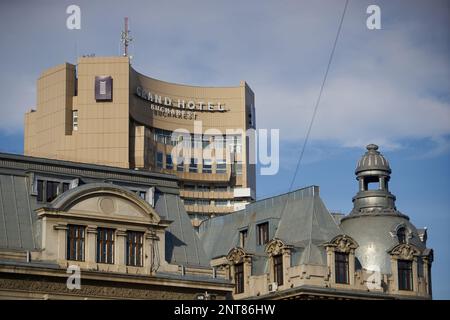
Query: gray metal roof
[17,218]
[299,219]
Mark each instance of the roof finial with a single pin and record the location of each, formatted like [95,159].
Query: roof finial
[372,147]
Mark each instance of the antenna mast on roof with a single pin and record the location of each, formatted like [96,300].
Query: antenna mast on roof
[126,38]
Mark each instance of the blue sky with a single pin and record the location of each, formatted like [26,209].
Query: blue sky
[388,86]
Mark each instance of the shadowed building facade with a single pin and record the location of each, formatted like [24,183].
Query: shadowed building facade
[102,111]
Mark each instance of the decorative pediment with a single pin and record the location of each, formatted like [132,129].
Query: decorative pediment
[237,255]
[276,246]
[104,201]
[405,251]
[343,243]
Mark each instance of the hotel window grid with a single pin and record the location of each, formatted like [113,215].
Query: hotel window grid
[169,163]
[105,245]
[159,159]
[262,232]
[341,267]
[75,242]
[239,277]
[75,120]
[278,269]
[405,276]
[243,237]
[134,248]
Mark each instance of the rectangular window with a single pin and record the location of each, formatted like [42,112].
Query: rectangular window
[159,159]
[203,202]
[221,203]
[221,166]
[341,267]
[238,168]
[203,188]
[189,202]
[405,276]
[262,232]
[75,242]
[51,190]
[75,120]
[105,245]
[207,166]
[189,187]
[239,277]
[278,269]
[40,191]
[169,163]
[193,165]
[134,248]
[65,186]
[221,189]
[243,237]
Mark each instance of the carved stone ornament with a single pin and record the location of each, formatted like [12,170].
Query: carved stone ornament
[236,255]
[276,247]
[405,251]
[343,243]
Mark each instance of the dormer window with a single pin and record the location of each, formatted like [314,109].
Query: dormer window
[401,235]
[262,232]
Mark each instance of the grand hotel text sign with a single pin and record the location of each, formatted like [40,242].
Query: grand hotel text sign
[168,107]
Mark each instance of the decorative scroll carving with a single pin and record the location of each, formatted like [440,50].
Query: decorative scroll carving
[343,243]
[237,255]
[276,247]
[405,251]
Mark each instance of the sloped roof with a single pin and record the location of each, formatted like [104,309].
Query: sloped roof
[298,218]
[17,218]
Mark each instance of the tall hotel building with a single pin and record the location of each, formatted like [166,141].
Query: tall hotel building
[102,111]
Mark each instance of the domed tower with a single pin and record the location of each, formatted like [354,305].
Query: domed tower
[382,232]
[373,173]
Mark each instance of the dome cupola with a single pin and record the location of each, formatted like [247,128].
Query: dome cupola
[373,174]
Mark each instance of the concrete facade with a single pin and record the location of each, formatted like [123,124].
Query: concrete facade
[133,126]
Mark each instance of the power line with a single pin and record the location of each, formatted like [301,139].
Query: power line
[316,106]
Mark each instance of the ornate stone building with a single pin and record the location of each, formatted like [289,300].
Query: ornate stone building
[291,247]
[124,232]
[127,235]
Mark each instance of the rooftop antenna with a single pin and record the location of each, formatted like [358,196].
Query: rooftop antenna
[126,38]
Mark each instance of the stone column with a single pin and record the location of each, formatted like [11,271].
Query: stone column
[120,259]
[61,254]
[90,246]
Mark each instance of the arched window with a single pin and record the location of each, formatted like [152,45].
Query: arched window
[401,235]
